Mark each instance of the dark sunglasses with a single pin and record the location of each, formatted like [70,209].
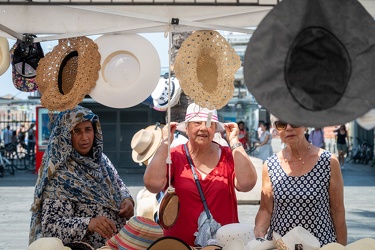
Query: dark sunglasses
[280,125]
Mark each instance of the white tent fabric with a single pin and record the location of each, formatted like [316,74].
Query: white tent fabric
[51,22]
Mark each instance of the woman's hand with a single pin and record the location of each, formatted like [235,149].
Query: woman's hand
[172,129]
[232,132]
[103,226]
[127,208]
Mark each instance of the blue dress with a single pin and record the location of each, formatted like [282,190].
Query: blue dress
[302,200]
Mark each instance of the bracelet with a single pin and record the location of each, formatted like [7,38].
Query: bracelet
[236,145]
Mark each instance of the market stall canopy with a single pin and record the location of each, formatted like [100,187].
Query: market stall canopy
[55,19]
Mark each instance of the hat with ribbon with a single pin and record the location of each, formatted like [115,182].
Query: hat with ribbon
[138,233]
[4,55]
[205,66]
[160,93]
[317,69]
[130,70]
[298,236]
[25,58]
[195,113]
[145,142]
[68,73]
[48,243]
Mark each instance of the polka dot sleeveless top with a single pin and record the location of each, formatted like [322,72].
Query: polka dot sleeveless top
[302,200]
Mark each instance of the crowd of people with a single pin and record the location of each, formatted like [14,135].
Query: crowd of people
[80,197]
[22,137]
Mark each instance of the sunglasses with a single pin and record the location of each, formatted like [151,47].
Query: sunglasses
[280,125]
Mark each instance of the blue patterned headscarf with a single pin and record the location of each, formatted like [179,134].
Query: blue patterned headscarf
[65,174]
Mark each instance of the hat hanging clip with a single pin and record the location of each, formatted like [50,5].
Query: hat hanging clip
[209,118]
[28,38]
[157,125]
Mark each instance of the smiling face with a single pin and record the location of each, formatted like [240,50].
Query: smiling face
[83,137]
[199,133]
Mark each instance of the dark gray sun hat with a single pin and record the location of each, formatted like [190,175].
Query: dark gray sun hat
[311,62]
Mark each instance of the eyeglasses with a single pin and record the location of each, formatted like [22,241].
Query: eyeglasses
[280,125]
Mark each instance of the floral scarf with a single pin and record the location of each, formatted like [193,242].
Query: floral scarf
[65,174]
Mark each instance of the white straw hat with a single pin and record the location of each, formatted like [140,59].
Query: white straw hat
[130,70]
[47,243]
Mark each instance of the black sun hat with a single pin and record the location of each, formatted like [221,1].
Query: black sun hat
[311,62]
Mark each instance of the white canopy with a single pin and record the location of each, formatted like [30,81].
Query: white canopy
[143,16]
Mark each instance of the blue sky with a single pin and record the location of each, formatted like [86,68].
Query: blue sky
[6,85]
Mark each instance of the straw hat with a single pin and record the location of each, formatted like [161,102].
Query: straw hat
[138,233]
[169,243]
[160,93]
[130,70]
[48,243]
[229,232]
[206,65]
[4,55]
[297,235]
[367,121]
[68,73]
[145,142]
[196,113]
[362,244]
[25,59]
[317,69]
[147,204]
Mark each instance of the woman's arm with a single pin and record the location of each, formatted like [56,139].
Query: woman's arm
[336,200]
[263,217]
[246,176]
[155,176]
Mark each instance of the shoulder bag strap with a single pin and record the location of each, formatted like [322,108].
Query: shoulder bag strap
[197,182]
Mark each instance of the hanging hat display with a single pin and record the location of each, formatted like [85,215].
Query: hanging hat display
[205,66]
[68,73]
[25,58]
[317,69]
[160,93]
[130,70]
[4,55]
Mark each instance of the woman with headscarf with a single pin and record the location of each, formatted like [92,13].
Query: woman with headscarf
[79,195]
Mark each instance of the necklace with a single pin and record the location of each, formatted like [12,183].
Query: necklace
[299,158]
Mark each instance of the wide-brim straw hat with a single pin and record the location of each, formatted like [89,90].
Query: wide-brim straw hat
[48,243]
[317,69]
[161,92]
[68,73]
[298,235]
[361,244]
[367,121]
[205,66]
[138,233]
[195,113]
[145,142]
[4,55]
[130,70]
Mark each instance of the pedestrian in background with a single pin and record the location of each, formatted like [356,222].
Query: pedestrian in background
[31,140]
[265,139]
[7,136]
[342,142]
[316,138]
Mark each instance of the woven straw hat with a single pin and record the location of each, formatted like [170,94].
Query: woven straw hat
[168,242]
[205,66]
[297,235]
[317,69]
[130,70]
[195,113]
[138,233]
[68,73]
[48,243]
[4,55]
[145,142]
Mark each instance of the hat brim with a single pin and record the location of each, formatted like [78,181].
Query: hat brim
[173,99]
[5,55]
[266,54]
[182,127]
[131,93]
[155,144]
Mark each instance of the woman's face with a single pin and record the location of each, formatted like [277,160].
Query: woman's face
[83,137]
[199,133]
[291,135]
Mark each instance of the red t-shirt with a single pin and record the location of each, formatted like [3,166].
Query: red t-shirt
[218,188]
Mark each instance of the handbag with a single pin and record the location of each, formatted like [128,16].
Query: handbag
[207,225]
[169,206]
